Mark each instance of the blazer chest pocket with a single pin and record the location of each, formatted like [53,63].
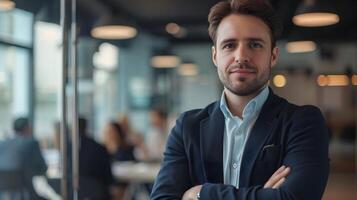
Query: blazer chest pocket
[266,164]
[270,153]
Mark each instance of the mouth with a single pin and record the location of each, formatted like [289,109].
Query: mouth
[242,71]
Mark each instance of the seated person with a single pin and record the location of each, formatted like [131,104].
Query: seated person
[21,154]
[117,144]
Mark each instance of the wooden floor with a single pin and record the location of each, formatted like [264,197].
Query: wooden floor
[341,186]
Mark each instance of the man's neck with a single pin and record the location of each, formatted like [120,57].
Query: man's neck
[236,103]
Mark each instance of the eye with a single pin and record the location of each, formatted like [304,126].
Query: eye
[228,46]
[255,45]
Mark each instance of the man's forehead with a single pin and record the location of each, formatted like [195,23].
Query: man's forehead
[242,27]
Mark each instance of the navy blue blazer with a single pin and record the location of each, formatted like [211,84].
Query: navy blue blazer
[284,134]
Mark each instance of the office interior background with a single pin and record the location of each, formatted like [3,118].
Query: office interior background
[122,73]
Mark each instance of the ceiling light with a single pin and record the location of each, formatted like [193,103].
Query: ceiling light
[188,69]
[114,32]
[300,46]
[165,61]
[279,81]
[172,28]
[354,80]
[322,80]
[316,19]
[113,29]
[333,80]
[338,80]
[315,14]
[6,5]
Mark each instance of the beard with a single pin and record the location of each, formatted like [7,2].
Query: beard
[245,86]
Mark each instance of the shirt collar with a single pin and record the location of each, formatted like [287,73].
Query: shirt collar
[252,108]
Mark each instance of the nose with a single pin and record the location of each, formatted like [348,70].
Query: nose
[242,55]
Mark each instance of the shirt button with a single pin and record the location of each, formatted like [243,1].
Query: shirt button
[235,165]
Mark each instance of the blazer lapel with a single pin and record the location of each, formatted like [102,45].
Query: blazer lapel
[260,132]
[211,139]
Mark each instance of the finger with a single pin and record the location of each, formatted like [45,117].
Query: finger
[279,183]
[279,170]
[276,177]
[279,176]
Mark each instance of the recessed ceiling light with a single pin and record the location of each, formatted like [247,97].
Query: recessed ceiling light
[114,32]
[6,5]
[165,61]
[173,28]
[354,80]
[316,19]
[332,80]
[188,69]
[300,46]
[315,13]
[113,28]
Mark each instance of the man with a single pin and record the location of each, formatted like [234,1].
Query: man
[22,155]
[251,144]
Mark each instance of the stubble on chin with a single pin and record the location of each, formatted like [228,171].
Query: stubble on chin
[246,89]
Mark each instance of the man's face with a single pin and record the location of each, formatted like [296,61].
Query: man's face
[243,54]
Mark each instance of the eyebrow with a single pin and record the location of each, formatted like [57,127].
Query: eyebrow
[228,40]
[255,39]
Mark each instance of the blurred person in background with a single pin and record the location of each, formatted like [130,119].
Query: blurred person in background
[22,154]
[115,140]
[132,136]
[120,150]
[95,173]
[251,144]
[155,137]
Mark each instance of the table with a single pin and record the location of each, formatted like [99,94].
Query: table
[135,174]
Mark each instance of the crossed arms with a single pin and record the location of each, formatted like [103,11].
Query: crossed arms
[306,155]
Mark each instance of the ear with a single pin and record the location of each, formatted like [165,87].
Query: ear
[214,55]
[274,56]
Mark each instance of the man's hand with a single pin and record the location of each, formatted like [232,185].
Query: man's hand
[275,181]
[278,178]
[191,194]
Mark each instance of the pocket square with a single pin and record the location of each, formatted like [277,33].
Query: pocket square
[268,146]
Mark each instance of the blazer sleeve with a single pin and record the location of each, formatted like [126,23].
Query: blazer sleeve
[306,152]
[173,179]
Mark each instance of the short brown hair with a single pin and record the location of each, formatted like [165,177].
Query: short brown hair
[258,8]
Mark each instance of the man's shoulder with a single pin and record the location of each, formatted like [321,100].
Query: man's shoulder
[200,113]
[292,110]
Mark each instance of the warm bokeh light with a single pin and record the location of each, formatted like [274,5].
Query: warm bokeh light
[6,5]
[300,46]
[279,81]
[165,61]
[114,32]
[315,19]
[354,80]
[172,28]
[338,80]
[332,80]
[188,69]
[322,80]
